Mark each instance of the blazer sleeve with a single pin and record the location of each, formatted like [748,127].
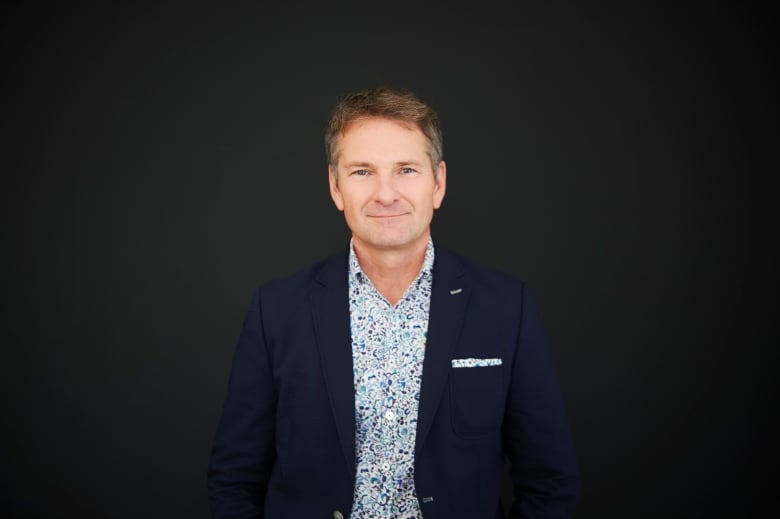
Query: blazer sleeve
[540,447]
[242,455]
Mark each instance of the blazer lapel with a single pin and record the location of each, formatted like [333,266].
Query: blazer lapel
[330,307]
[449,296]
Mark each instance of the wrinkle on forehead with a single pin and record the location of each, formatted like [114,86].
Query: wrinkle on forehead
[359,121]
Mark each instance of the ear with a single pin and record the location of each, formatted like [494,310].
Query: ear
[440,186]
[335,194]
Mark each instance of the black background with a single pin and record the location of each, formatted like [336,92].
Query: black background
[160,160]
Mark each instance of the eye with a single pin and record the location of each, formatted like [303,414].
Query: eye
[360,172]
[408,171]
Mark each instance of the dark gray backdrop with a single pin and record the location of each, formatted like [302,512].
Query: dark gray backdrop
[161,160]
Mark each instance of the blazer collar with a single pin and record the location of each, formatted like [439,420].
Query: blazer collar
[449,297]
[329,301]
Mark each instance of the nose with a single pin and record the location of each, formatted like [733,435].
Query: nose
[386,192]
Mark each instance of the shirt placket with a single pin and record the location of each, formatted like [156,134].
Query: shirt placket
[401,440]
[389,409]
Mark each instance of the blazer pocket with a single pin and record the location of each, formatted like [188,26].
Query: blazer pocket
[476,399]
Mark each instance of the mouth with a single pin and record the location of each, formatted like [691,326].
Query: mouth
[386,216]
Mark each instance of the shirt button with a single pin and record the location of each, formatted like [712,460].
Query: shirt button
[385,466]
[389,416]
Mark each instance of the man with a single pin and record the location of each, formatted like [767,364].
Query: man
[394,379]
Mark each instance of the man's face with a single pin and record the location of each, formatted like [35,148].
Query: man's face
[385,184]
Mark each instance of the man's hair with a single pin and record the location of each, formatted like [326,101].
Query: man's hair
[387,102]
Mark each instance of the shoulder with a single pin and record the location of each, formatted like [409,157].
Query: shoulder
[498,293]
[326,271]
[483,277]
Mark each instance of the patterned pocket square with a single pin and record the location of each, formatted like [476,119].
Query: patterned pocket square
[475,363]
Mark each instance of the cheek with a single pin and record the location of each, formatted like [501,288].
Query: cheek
[353,199]
[351,206]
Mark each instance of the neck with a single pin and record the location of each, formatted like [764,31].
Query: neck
[391,270]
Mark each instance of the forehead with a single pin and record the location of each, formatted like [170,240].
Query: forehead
[377,135]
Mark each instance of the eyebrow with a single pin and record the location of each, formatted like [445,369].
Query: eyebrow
[370,165]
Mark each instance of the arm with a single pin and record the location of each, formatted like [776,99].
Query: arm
[243,452]
[536,432]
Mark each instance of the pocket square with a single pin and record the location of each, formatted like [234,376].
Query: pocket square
[475,363]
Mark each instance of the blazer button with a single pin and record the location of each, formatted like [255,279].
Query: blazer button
[337,515]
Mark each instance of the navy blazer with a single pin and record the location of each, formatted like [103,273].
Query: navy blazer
[285,445]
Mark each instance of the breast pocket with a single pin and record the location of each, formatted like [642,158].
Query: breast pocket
[477,400]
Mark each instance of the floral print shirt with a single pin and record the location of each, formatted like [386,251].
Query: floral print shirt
[388,347]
